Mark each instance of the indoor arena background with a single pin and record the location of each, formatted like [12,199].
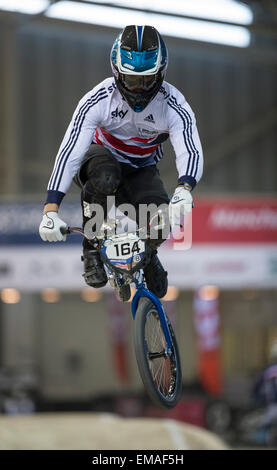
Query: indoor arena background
[68,348]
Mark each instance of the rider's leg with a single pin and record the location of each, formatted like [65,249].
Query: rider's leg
[144,186]
[99,176]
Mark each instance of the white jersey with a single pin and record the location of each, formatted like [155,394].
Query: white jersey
[104,117]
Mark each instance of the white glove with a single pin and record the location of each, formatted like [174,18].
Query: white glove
[180,204]
[50,226]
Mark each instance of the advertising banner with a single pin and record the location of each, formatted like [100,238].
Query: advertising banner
[234,245]
[231,221]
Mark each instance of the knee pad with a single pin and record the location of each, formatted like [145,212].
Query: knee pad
[103,174]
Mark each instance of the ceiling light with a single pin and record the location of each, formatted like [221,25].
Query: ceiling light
[206,31]
[208,292]
[172,293]
[31,7]
[10,296]
[229,11]
[50,295]
[91,295]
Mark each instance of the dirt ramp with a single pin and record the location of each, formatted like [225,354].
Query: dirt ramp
[101,432]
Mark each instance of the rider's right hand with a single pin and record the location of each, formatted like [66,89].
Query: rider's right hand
[50,226]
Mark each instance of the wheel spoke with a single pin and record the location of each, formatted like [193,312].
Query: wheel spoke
[161,365]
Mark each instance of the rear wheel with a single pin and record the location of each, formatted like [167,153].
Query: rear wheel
[160,372]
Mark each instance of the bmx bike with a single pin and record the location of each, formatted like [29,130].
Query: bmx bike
[124,256]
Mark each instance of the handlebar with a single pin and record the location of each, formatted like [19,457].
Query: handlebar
[67,230]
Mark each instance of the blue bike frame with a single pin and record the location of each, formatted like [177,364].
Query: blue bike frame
[143,292]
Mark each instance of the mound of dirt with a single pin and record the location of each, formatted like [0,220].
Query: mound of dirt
[78,431]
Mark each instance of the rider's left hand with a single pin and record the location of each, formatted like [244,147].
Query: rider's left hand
[181,203]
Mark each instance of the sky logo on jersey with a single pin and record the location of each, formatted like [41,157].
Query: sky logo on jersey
[162,90]
[120,113]
[149,118]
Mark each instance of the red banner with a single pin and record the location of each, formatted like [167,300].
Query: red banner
[231,221]
[234,221]
[206,320]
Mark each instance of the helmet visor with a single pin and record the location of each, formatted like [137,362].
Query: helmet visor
[138,83]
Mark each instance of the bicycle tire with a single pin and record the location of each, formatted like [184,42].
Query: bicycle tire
[171,365]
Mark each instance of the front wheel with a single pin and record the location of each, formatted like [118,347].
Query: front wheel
[160,372]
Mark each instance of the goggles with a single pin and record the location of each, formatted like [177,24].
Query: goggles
[138,83]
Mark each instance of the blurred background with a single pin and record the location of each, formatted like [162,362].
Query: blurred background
[64,347]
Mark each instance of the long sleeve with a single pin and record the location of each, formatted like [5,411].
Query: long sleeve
[75,143]
[185,140]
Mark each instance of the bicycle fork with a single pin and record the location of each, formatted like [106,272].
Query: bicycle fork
[143,292]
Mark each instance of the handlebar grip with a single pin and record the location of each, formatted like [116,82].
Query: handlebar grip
[65,230]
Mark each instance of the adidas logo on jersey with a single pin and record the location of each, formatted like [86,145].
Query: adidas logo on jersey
[149,118]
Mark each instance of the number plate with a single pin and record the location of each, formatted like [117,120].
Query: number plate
[124,250]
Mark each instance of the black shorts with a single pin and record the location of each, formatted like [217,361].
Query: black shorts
[137,185]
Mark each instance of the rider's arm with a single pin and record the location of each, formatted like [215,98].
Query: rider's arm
[75,143]
[50,207]
[185,140]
